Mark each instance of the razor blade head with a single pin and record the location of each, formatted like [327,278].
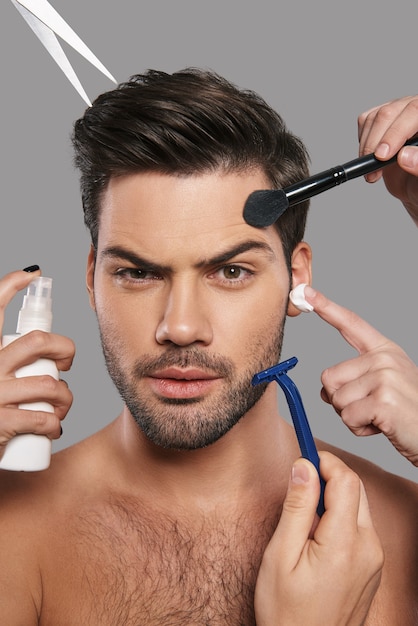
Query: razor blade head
[272,373]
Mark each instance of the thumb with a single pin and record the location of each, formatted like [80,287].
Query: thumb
[408,159]
[299,510]
[11,284]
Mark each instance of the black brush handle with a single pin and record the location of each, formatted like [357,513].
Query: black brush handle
[265,206]
[318,183]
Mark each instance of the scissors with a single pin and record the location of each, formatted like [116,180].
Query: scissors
[46,23]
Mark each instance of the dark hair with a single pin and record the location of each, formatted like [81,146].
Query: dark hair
[189,122]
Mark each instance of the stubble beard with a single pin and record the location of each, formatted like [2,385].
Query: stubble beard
[191,423]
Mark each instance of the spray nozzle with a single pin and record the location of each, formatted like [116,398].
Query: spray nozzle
[36,311]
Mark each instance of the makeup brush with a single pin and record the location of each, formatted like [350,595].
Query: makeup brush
[263,207]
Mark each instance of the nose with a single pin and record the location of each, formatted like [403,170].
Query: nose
[185,319]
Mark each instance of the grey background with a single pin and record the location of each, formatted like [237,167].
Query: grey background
[319,64]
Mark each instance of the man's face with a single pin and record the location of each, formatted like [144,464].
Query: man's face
[190,301]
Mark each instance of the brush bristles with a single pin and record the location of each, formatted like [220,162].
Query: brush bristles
[263,207]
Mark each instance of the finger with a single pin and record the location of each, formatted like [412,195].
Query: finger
[374,411]
[361,417]
[343,390]
[19,391]
[408,159]
[375,554]
[356,331]
[384,129]
[336,379]
[342,501]
[403,127]
[324,396]
[364,518]
[357,378]
[383,370]
[37,344]
[358,415]
[298,515]
[365,123]
[19,421]
[11,284]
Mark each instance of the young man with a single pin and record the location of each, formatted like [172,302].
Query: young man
[169,514]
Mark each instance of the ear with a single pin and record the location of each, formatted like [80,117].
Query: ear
[301,267]
[91,263]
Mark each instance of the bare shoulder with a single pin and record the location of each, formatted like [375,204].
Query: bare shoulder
[393,504]
[384,489]
[32,499]
[24,506]
[15,486]
[34,510]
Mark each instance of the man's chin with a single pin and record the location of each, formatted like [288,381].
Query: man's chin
[182,429]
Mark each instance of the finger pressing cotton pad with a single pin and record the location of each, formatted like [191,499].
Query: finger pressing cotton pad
[297,297]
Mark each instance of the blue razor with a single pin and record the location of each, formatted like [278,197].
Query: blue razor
[300,421]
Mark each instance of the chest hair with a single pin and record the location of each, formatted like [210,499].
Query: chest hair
[141,567]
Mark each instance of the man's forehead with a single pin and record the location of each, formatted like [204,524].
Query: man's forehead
[152,185]
[193,220]
[209,203]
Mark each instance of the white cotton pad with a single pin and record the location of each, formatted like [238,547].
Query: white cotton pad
[297,297]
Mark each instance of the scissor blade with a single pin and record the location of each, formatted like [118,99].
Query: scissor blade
[44,12]
[51,43]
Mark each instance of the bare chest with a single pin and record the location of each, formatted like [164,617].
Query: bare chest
[123,566]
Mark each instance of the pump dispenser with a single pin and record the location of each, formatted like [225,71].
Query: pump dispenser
[36,311]
[29,452]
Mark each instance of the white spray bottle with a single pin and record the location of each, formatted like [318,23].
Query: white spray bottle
[29,452]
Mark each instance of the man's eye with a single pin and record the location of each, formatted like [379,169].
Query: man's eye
[233,275]
[134,274]
[232,272]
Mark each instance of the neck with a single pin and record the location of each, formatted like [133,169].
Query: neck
[249,462]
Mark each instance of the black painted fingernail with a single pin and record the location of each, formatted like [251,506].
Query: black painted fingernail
[31,268]
[60,431]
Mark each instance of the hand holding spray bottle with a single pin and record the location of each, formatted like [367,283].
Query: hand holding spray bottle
[29,452]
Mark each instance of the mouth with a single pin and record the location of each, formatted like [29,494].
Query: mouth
[176,383]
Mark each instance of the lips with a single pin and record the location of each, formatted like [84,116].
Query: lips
[179,383]
[183,374]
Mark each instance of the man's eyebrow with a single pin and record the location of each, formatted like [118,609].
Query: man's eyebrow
[245,246]
[118,252]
